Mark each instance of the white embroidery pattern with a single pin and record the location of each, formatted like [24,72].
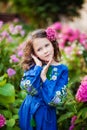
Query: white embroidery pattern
[28,86]
[58,97]
[54,74]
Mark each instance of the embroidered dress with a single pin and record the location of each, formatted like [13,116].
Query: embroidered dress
[38,110]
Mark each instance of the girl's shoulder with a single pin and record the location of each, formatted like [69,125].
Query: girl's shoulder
[28,70]
[64,66]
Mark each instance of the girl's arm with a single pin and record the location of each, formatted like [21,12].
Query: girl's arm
[31,80]
[53,91]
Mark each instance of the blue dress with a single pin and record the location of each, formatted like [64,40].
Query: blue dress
[42,97]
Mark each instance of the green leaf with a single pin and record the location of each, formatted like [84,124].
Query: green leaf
[7,94]
[7,99]
[15,117]
[7,90]
[6,113]
[2,83]
[2,77]
[22,94]
[16,128]
[9,128]
[65,116]
[3,80]
[15,110]
[83,113]
[10,122]
[71,106]
[78,121]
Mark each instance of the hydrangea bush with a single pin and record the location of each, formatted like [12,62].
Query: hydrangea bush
[2,120]
[12,34]
[73,46]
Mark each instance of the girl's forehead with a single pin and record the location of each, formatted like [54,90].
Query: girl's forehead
[40,41]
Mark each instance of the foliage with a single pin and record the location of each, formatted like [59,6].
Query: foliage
[5,88]
[11,35]
[73,46]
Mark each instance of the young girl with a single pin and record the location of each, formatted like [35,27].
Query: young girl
[44,80]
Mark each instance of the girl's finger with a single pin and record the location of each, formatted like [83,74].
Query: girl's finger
[48,64]
[33,56]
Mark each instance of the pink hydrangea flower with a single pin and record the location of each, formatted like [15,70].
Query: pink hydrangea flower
[5,34]
[57,26]
[20,53]
[73,119]
[51,34]
[9,39]
[73,123]
[68,50]
[14,58]
[11,72]
[22,32]
[83,40]
[71,127]
[81,94]
[2,120]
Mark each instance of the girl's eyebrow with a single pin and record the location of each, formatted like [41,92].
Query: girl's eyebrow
[47,43]
[39,48]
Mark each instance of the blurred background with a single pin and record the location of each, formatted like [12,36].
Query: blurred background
[43,13]
[68,18]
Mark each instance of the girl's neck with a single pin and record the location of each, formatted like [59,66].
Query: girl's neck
[54,62]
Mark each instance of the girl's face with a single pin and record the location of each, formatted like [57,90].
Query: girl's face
[43,49]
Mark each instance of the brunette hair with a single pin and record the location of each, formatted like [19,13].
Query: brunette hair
[27,60]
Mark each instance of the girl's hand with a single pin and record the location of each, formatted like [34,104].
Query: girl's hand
[44,71]
[36,60]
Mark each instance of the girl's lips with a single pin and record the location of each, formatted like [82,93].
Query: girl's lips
[47,55]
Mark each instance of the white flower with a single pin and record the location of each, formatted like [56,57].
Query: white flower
[55,69]
[58,93]
[54,77]
[27,82]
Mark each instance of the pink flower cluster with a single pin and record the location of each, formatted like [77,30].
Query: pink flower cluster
[14,58]
[67,35]
[73,123]
[16,30]
[81,95]
[2,120]
[51,34]
[11,72]
[57,26]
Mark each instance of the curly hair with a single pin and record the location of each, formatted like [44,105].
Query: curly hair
[27,60]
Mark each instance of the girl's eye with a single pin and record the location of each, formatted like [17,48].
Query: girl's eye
[46,45]
[39,49]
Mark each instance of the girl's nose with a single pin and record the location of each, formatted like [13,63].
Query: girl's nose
[45,51]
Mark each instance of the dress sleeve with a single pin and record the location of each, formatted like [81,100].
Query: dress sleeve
[54,91]
[31,81]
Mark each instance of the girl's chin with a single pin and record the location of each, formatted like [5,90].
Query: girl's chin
[47,61]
